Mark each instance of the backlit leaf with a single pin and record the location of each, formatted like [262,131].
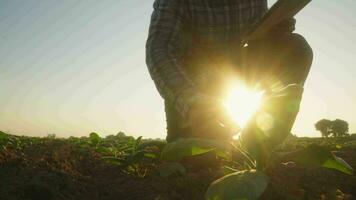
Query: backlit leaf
[319,156]
[239,185]
[150,155]
[338,164]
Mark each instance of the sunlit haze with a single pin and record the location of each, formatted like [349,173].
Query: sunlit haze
[241,102]
[72,67]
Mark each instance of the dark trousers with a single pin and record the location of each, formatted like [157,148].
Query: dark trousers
[274,62]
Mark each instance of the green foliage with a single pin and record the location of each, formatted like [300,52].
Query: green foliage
[318,156]
[3,136]
[120,134]
[169,169]
[239,185]
[129,154]
[240,179]
[132,156]
[248,183]
[235,185]
[182,148]
[135,145]
[152,143]
[51,136]
[324,126]
[338,127]
[94,138]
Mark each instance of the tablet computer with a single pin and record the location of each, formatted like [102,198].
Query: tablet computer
[281,10]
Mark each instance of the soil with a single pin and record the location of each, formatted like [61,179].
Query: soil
[58,169]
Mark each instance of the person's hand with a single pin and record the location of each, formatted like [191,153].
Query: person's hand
[209,120]
[284,27]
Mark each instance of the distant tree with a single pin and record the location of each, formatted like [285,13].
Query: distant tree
[324,126]
[120,134]
[51,136]
[3,135]
[339,128]
[117,136]
[94,138]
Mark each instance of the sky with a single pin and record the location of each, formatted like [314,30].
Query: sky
[72,67]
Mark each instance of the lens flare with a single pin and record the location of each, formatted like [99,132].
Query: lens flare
[241,102]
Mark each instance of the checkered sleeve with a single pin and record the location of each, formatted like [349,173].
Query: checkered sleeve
[258,9]
[164,55]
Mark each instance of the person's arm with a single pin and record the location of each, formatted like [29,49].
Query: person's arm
[284,27]
[164,58]
[268,28]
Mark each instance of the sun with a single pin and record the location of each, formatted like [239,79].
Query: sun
[241,102]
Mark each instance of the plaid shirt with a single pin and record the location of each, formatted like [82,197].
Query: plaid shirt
[179,28]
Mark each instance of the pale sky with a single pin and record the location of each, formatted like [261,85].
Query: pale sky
[71,67]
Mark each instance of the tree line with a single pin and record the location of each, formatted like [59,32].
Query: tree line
[335,128]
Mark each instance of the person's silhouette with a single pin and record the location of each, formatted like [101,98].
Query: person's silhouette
[194,46]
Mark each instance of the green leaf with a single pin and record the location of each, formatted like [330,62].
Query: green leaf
[176,151]
[154,143]
[169,169]
[150,155]
[135,158]
[125,148]
[338,164]
[136,144]
[319,156]
[240,185]
[104,150]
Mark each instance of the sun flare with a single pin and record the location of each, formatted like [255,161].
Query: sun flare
[241,102]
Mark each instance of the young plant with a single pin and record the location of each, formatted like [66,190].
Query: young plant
[133,158]
[247,181]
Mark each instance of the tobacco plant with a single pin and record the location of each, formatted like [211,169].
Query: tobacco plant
[248,160]
[245,178]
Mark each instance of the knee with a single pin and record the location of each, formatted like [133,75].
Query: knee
[297,56]
[300,48]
